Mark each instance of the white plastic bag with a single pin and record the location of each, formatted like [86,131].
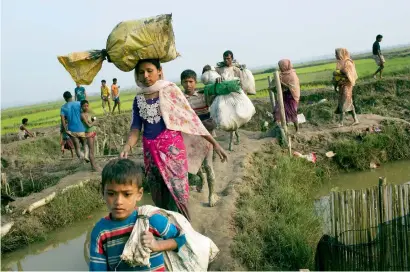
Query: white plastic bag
[209,77]
[248,81]
[232,111]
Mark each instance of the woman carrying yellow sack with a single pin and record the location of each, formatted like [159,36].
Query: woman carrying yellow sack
[344,78]
[175,141]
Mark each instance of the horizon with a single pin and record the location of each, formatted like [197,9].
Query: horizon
[302,61]
[259,40]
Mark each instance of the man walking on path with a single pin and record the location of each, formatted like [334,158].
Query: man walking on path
[71,113]
[105,96]
[115,92]
[79,93]
[377,56]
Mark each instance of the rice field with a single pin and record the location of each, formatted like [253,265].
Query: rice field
[311,77]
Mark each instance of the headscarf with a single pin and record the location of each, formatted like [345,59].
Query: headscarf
[179,116]
[289,78]
[346,65]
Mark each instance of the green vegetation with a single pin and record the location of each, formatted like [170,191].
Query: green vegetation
[62,211]
[356,153]
[275,221]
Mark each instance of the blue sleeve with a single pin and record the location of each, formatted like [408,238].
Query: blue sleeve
[136,121]
[62,111]
[164,229]
[98,259]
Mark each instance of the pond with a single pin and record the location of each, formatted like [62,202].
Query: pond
[64,249]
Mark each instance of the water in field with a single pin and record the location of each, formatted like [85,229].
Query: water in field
[396,173]
[64,250]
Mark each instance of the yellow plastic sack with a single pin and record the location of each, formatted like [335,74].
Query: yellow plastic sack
[129,41]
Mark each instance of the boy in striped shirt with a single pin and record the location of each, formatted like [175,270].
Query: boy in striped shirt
[122,190]
[197,101]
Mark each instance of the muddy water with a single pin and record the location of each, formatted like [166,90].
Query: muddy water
[395,172]
[64,249]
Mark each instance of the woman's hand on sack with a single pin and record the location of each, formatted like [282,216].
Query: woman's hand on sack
[221,152]
[149,241]
[218,80]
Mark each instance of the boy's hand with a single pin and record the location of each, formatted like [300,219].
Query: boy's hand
[149,241]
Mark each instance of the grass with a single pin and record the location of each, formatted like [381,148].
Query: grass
[311,77]
[278,190]
[392,144]
[62,211]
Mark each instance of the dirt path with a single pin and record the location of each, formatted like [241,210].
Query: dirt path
[215,222]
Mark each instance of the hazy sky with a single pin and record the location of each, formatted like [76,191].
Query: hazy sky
[34,32]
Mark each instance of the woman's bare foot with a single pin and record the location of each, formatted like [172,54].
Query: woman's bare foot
[355,123]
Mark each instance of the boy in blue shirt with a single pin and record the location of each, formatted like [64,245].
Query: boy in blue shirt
[122,190]
[71,113]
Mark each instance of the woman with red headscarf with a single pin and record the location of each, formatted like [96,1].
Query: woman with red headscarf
[291,92]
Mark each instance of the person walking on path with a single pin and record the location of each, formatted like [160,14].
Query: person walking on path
[71,113]
[105,96]
[175,141]
[115,92]
[291,93]
[378,57]
[197,101]
[90,133]
[80,93]
[344,78]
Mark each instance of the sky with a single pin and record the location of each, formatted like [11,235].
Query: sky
[260,33]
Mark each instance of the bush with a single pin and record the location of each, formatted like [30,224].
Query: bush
[392,143]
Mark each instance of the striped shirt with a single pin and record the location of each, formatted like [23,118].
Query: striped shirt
[109,237]
[198,104]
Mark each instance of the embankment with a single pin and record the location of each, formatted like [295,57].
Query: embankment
[276,227]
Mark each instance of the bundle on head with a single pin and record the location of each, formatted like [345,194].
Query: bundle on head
[129,41]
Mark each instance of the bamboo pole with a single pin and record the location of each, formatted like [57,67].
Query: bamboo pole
[271,95]
[280,102]
[290,146]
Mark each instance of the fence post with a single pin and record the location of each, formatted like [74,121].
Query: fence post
[271,95]
[280,102]
[383,257]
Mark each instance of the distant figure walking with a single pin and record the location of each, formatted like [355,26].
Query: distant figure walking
[291,93]
[344,78]
[105,96]
[80,93]
[115,92]
[23,131]
[71,120]
[377,56]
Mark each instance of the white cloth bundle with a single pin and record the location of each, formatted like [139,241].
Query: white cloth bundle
[195,255]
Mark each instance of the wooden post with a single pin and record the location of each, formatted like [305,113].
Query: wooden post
[382,199]
[271,95]
[290,146]
[280,102]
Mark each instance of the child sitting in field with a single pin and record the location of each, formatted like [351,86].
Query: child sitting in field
[122,190]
